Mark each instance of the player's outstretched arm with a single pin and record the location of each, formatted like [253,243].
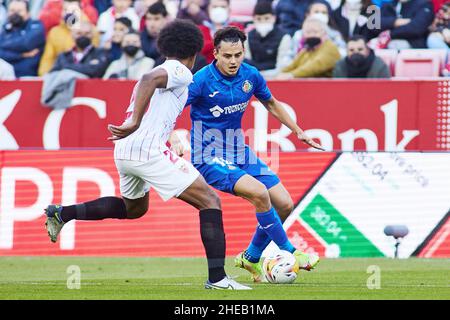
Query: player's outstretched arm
[149,82]
[278,111]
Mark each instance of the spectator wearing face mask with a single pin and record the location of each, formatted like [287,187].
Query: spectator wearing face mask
[83,58]
[439,37]
[360,62]
[133,63]
[351,19]
[318,54]
[405,24]
[59,38]
[321,11]
[81,62]
[122,26]
[267,47]
[219,17]
[21,39]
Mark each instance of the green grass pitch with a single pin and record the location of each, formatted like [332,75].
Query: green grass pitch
[183,278]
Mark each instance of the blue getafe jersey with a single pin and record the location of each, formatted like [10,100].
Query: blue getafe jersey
[217,106]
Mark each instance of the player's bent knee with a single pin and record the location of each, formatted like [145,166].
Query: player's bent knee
[136,208]
[260,196]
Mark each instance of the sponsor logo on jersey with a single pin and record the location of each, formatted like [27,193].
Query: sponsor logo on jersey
[179,71]
[217,111]
[224,163]
[247,86]
[212,95]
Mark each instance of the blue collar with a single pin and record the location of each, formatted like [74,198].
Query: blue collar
[220,77]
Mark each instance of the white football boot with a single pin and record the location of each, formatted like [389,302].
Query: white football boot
[226,284]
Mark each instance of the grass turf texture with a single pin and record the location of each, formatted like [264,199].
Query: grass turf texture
[183,278]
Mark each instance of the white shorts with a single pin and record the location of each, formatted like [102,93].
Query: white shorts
[166,172]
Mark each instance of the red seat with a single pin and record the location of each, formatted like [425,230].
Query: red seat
[420,62]
[389,57]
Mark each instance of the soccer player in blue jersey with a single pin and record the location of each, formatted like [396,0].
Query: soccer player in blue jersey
[219,95]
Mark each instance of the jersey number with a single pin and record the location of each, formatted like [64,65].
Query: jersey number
[171,156]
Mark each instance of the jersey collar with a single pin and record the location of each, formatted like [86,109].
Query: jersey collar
[219,76]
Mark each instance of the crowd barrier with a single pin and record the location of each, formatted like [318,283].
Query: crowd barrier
[396,170]
[343,202]
[372,115]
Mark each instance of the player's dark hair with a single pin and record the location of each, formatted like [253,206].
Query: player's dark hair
[180,39]
[157,8]
[125,21]
[229,34]
[263,7]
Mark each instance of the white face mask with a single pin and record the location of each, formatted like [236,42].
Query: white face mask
[321,17]
[263,28]
[219,15]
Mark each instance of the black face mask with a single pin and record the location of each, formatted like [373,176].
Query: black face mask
[357,59]
[358,65]
[131,50]
[16,20]
[83,42]
[312,42]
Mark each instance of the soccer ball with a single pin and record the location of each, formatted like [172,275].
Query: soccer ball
[282,267]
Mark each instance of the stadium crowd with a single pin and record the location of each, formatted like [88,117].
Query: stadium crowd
[286,39]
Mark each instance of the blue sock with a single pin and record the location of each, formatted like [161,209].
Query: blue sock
[256,247]
[270,222]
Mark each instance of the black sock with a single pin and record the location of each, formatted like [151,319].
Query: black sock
[102,208]
[213,238]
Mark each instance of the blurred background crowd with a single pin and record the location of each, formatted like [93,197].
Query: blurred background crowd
[286,39]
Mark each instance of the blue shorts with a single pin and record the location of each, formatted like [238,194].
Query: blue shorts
[223,174]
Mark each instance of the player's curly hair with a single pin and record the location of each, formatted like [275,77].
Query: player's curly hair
[229,34]
[180,39]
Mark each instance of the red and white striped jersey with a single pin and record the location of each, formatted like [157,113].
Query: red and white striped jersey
[159,120]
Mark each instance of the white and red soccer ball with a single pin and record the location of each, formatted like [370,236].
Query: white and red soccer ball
[281,267]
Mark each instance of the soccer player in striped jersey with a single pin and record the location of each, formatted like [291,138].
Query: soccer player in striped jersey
[144,160]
